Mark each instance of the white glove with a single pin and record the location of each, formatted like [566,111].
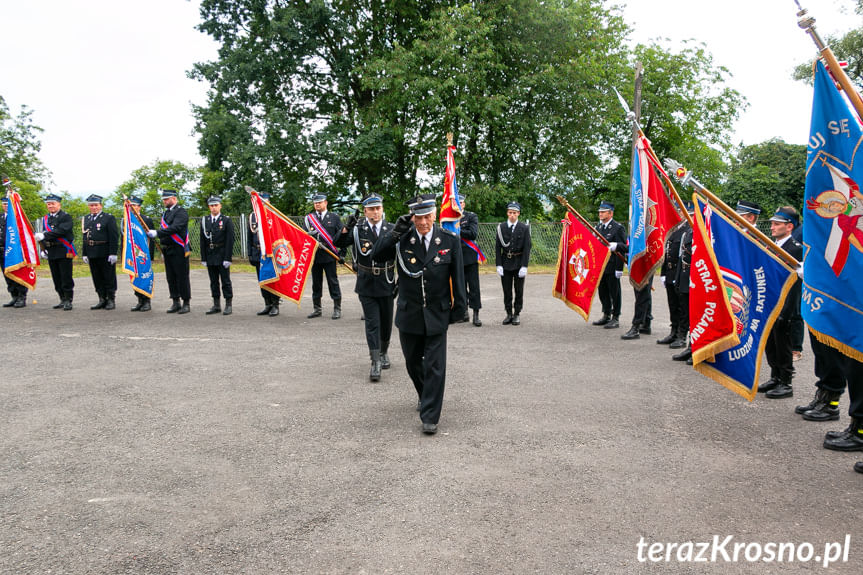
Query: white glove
[522,271]
[618,275]
[85,259]
[112,259]
[204,263]
[39,236]
[612,246]
[799,271]
[500,271]
[43,253]
[151,234]
[226,264]
[662,279]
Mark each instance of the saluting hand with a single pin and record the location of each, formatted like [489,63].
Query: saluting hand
[403,224]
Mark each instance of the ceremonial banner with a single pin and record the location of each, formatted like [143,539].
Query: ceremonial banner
[22,251]
[581,261]
[713,325]
[833,227]
[287,251]
[651,214]
[450,207]
[755,283]
[136,252]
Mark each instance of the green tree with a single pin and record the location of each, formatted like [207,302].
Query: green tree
[770,173]
[19,149]
[146,181]
[848,47]
[687,113]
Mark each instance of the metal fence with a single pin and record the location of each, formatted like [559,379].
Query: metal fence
[545,238]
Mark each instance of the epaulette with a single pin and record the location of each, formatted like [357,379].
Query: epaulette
[450,232]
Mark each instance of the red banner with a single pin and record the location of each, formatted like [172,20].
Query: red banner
[287,252]
[712,324]
[581,260]
[22,251]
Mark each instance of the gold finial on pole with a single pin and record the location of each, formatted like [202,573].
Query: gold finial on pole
[449,138]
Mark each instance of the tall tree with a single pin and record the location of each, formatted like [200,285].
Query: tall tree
[19,149]
[167,174]
[770,173]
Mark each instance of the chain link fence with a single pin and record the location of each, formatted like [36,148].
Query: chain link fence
[545,238]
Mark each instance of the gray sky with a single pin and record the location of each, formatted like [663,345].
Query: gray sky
[107,79]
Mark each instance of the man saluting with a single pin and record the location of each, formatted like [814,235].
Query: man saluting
[431,296]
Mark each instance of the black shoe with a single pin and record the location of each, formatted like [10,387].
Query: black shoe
[229,308]
[507,320]
[184,308]
[645,329]
[67,305]
[612,324]
[476,321]
[677,344]
[337,313]
[138,305]
[375,371]
[839,434]
[684,355]
[20,302]
[858,467]
[771,384]
[689,360]
[385,360]
[175,307]
[212,310]
[603,320]
[429,428]
[466,317]
[668,338]
[780,391]
[515,319]
[632,333]
[60,305]
[146,305]
[853,441]
[274,311]
[12,301]
[266,310]
[99,305]
[316,313]
[823,407]
[109,305]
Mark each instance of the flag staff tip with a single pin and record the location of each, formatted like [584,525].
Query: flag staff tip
[449,138]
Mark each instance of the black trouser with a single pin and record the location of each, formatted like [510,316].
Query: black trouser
[177,274]
[683,307]
[104,277]
[15,289]
[797,329]
[378,314]
[778,350]
[609,294]
[220,273]
[673,304]
[643,304]
[425,358]
[471,282]
[507,280]
[61,273]
[828,366]
[318,269]
[269,298]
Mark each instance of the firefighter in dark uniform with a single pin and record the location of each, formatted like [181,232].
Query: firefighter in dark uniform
[375,279]
[643,313]
[681,284]
[217,249]
[271,300]
[667,274]
[99,244]
[511,256]
[16,290]
[55,233]
[609,284]
[173,234]
[779,342]
[469,230]
[136,202]
[325,227]
[431,296]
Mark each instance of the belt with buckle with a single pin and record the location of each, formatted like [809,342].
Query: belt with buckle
[213,246]
[374,270]
[95,243]
[511,255]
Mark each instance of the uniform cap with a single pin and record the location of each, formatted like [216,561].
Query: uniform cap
[747,207]
[168,193]
[319,197]
[785,214]
[94,199]
[214,200]
[53,198]
[514,206]
[136,201]
[422,204]
[372,201]
[605,205]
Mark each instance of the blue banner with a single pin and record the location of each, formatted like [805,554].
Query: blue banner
[756,282]
[637,225]
[832,226]
[136,254]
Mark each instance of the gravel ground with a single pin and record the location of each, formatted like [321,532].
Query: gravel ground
[155,443]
